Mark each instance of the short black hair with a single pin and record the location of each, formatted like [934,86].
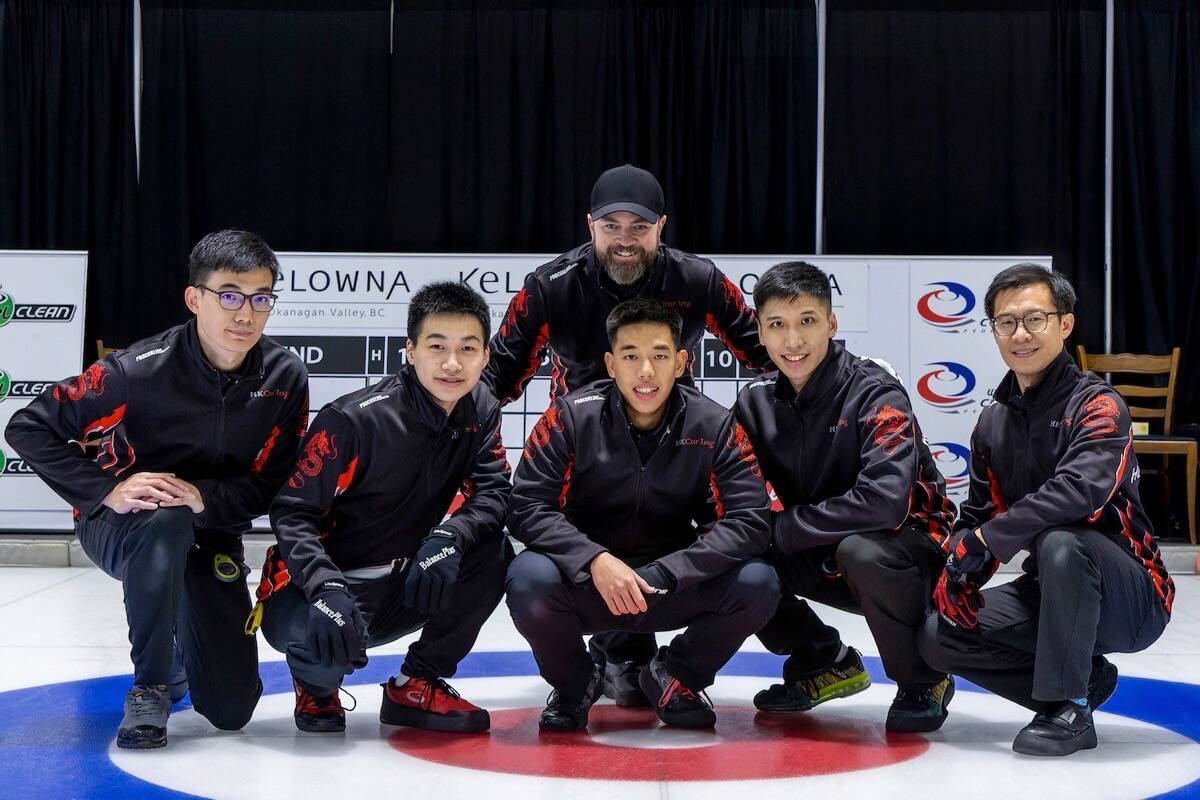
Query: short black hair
[447,297]
[1029,274]
[789,280]
[236,251]
[639,310]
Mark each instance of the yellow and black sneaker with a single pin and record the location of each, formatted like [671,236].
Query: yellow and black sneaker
[920,709]
[843,678]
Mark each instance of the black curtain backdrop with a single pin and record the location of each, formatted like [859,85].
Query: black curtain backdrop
[964,126]
[970,127]
[68,171]
[503,114]
[268,116]
[1156,186]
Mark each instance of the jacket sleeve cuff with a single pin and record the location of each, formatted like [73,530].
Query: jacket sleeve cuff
[580,563]
[1000,546]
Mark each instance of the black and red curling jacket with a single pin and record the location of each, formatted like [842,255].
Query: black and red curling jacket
[379,469]
[844,456]
[1061,453]
[697,505]
[564,304]
[159,406]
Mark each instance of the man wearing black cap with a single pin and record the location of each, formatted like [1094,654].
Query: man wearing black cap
[564,304]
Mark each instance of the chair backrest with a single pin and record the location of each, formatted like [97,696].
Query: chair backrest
[1139,364]
[102,351]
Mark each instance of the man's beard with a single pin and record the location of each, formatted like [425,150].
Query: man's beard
[626,273]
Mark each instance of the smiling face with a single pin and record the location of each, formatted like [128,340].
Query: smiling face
[645,364]
[1027,354]
[448,355]
[227,336]
[625,244]
[796,333]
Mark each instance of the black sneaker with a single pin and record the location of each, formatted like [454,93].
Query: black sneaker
[920,710]
[1102,682]
[620,682]
[144,726]
[315,714]
[569,714]
[840,679]
[620,679]
[1058,731]
[676,705]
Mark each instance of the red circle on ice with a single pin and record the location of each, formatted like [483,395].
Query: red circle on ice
[751,746]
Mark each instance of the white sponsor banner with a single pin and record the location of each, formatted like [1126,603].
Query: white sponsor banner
[41,342]
[345,315]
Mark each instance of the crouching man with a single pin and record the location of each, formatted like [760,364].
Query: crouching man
[364,554]
[167,450]
[1052,470]
[643,509]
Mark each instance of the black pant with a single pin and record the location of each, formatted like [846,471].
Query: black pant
[1099,600]
[445,638]
[887,577]
[553,613]
[173,594]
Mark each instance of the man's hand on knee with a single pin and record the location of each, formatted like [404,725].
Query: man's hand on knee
[337,631]
[143,491]
[187,495]
[623,589]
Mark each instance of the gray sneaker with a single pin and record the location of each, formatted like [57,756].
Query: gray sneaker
[144,725]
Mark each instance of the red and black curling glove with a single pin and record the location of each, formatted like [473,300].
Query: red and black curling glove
[958,603]
[968,560]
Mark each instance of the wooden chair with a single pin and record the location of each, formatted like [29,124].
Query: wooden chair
[1164,444]
[102,351]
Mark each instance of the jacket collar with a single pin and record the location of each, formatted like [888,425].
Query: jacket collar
[676,404]
[824,380]
[252,367]
[417,397]
[1058,381]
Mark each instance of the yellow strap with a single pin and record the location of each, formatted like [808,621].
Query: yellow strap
[254,620]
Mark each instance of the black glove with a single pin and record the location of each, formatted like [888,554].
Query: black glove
[958,603]
[969,557]
[434,572]
[337,631]
[657,577]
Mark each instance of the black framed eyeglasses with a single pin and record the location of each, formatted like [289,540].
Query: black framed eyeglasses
[231,300]
[1033,322]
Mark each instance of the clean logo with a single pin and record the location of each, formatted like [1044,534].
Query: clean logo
[954,461]
[947,306]
[11,311]
[7,307]
[948,386]
[14,466]
[25,390]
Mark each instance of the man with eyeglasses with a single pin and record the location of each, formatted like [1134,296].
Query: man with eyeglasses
[167,450]
[562,309]
[1052,471]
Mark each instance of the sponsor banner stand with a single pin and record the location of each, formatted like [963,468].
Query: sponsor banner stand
[42,300]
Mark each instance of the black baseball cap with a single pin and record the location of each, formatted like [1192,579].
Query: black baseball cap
[628,188]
